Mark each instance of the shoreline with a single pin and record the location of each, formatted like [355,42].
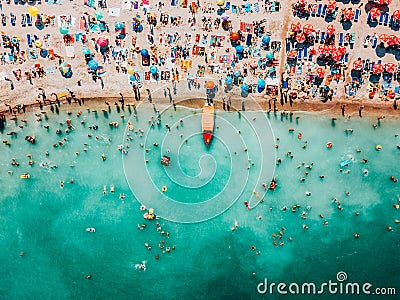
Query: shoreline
[371,109]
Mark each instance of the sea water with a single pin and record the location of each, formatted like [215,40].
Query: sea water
[210,260]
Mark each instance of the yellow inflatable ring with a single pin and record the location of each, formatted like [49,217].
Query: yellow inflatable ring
[378,147]
[164,189]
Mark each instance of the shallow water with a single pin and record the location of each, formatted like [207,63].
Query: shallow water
[48,222]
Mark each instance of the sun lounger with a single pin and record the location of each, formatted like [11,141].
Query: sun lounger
[324,11]
[228,6]
[23,20]
[381,19]
[299,55]
[256,7]
[305,53]
[29,40]
[357,15]
[28,19]
[397,89]
[374,41]
[386,19]
[319,10]
[369,19]
[322,39]
[317,36]
[313,10]
[352,38]
[346,58]
[299,69]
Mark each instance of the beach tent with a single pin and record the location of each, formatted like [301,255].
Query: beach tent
[33,11]
[358,65]
[377,69]
[390,67]
[375,13]
[295,26]
[300,38]
[93,65]
[330,29]
[70,51]
[308,29]
[320,72]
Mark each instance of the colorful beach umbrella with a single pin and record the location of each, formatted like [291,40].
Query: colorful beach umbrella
[349,14]
[384,38]
[292,54]
[377,69]
[33,11]
[210,85]
[220,2]
[244,87]
[331,5]
[358,65]
[320,72]
[330,29]
[300,38]
[336,56]
[295,26]
[375,13]
[237,74]
[387,2]
[102,41]
[396,15]
[393,40]
[308,29]
[390,67]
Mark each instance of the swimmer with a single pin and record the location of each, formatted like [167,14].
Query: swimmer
[103,157]
[392,178]
[62,184]
[112,188]
[122,196]
[104,190]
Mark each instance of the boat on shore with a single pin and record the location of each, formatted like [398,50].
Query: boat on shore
[207,123]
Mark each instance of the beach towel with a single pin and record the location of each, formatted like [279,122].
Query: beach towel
[114,12]
[246,27]
[32,54]
[70,51]
[256,7]
[51,70]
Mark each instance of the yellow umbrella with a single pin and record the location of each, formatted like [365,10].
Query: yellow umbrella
[38,44]
[33,11]
[131,71]
[220,2]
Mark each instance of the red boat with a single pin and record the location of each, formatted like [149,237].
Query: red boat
[207,123]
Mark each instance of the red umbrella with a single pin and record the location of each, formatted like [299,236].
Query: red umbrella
[331,5]
[336,56]
[358,64]
[330,29]
[313,51]
[320,72]
[308,29]
[342,50]
[396,15]
[393,40]
[384,38]
[295,26]
[300,38]
[323,49]
[331,49]
[377,69]
[390,67]
[375,13]
[102,41]
[234,36]
[387,2]
[349,14]
[292,54]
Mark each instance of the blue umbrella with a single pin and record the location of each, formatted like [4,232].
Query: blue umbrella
[269,55]
[132,78]
[244,94]
[144,52]
[239,49]
[44,53]
[228,80]
[119,26]
[237,74]
[92,64]
[85,51]
[266,39]
[244,87]
[153,70]
[260,85]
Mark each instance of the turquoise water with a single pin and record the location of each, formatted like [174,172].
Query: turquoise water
[210,261]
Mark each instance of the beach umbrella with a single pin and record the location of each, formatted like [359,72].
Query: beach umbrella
[133,77]
[323,49]
[119,26]
[396,15]
[237,74]
[266,39]
[330,29]
[269,55]
[320,72]
[342,50]
[331,5]
[33,11]
[349,14]
[63,30]
[228,80]
[292,54]
[98,14]
[253,64]
[225,17]
[358,65]
[144,52]
[295,26]
[220,2]
[308,29]
[393,40]
[336,56]
[153,70]
[102,41]
[384,38]
[244,87]
[210,85]
[130,71]
[261,82]
[93,65]
[375,13]
[65,70]
[234,36]
[390,67]
[38,44]
[377,69]
[300,38]
[44,53]
[85,51]
[239,48]
[331,49]
[387,2]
